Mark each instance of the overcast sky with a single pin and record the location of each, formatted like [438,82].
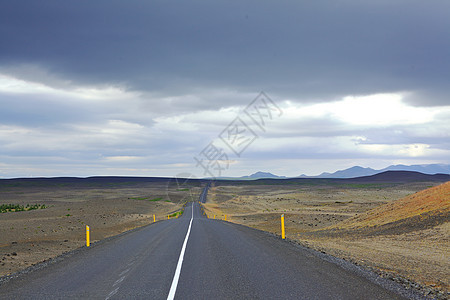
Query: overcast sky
[158,88]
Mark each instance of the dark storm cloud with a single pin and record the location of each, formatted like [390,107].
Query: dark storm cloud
[307,50]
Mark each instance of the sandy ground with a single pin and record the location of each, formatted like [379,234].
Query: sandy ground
[29,237]
[420,256]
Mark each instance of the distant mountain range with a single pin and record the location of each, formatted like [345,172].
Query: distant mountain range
[259,175]
[358,171]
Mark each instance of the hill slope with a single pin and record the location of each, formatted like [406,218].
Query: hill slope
[401,176]
[426,208]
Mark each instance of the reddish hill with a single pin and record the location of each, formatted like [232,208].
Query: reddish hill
[421,210]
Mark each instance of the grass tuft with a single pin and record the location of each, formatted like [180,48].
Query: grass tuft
[4,208]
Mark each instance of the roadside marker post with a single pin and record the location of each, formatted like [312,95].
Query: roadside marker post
[214,216]
[88,243]
[225,217]
[154,218]
[283,233]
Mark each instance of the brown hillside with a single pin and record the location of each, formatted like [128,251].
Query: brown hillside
[430,204]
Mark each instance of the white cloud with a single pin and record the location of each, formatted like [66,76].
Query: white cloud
[12,85]
[115,131]
[119,127]
[404,150]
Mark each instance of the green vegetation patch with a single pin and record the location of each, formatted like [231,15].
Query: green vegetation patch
[367,185]
[4,208]
[156,199]
[176,213]
[138,198]
[146,198]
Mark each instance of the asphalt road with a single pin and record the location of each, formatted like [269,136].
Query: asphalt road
[221,261]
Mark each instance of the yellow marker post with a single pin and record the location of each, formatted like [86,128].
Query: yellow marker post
[87,237]
[225,217]
[214,216]
[283,233]
[168,217]
[154,218]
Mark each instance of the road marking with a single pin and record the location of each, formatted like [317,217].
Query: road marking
[122,276]
[118,281]
[126,271]
[176,277]
[112,293]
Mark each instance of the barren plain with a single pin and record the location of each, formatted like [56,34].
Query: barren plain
[108,206]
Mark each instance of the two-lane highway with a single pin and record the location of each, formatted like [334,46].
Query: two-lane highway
[219,260]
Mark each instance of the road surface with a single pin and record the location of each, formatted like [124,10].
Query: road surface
[213,259]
